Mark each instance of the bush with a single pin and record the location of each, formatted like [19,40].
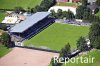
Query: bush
[3,27]
[96,10]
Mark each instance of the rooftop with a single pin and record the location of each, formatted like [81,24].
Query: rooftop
[30,21]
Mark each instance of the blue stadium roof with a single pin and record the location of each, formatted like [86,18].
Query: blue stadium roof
[21,27]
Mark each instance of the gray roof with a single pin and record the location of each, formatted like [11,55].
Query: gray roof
[91,1]
[30,21]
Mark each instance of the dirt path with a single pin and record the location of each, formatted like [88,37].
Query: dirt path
[26,57]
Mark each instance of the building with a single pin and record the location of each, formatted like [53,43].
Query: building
[13,19]
[91,1]
[63,8]
[31,26]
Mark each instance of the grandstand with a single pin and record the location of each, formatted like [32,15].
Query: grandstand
[31,26]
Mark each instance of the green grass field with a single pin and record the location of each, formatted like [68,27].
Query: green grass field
[2,16]
[98,14]
[95,54]
[57,35]
[67,4]
[10,4]
[3,50]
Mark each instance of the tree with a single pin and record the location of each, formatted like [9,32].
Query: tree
[91,18]
[55,63]
[84,2]
[28,10]
[80,12]
[87,14]
[68,48]
[81,44]
[5,39]
[33,10]
[53,13]
[94,18]
[70,15]
[96,10]
[3,27]
[19,9]
[94,35]
[65,13]
[37,8]
[52,62]
[98,2]
[65,52]
[46,4]
[59,14]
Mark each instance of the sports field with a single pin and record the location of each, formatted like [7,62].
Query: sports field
[95,54]
[10,4]
[57,35]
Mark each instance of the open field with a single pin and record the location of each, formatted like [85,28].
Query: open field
[22,56]
[95,54]
[3,50]
[57,35]
[67,4]
[2,16]
[10,4]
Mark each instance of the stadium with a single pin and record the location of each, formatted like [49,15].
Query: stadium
[31,26]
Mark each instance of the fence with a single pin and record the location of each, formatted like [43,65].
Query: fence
[41,49]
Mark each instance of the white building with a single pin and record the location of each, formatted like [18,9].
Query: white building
[63,8]
[10,20]
[13,19]
[91,1]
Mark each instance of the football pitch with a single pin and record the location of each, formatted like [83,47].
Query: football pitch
[10,4]
[57,36]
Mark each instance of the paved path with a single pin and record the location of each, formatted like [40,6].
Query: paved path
[26,57]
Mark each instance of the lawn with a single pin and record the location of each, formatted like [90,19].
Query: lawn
[98,14]
[10,4]
[67,4]
[3,50]
[57,35]
[2,16]
[95,54]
